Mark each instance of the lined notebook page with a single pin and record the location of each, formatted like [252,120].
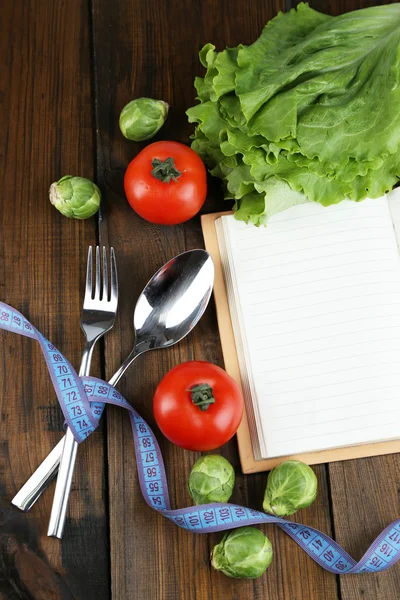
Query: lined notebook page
[315,305]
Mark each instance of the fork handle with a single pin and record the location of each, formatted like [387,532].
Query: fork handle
[67,462]
[63,486]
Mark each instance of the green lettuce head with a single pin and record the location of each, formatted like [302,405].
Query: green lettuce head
[291,485]
[75,197]
[242,553]
[211,479]
[142,118]
[308,112]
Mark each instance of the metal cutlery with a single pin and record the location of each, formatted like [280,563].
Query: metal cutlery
[167,310]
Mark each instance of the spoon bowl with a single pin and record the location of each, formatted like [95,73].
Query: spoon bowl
[173,300]
[171,304]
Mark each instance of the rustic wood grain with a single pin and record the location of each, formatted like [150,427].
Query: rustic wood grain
[46,132]
[150,49]
[365,498]
[364,493]
[46,103]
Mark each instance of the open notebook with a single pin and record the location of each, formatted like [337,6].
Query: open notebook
[314,301]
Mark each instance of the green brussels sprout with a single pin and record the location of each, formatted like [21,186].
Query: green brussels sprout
[290,486]
[75,197]
[244,552]
[211,479]
[142,118]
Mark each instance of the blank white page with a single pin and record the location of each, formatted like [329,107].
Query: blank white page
[317,301]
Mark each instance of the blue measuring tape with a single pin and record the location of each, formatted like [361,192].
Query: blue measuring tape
[82,400]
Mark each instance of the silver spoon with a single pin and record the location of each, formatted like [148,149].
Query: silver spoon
[169,307]
[171,304]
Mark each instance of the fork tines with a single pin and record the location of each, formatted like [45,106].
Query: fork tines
[101,289]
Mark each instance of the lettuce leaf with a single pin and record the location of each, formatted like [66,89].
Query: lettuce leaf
[309,112]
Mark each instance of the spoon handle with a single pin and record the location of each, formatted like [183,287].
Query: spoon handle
[127,363]
[41,477]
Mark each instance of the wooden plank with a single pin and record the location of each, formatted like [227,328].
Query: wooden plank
[46,125]
[365,500]
[364,492]
[150,49]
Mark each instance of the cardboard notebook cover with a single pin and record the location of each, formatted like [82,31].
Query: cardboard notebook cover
[247,460]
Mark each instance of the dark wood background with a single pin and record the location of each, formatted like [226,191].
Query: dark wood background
[67,69]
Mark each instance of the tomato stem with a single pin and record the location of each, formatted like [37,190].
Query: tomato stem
[202,395]
[165,170]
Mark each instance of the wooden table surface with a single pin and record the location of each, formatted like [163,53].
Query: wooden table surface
[67,69]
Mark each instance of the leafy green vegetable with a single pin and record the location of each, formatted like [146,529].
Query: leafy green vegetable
[142,118]
[291,485]
[211,479]
[308,112]
[242,553]
[75,197]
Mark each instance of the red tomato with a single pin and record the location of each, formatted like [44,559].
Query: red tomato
[183,412]
[166,183]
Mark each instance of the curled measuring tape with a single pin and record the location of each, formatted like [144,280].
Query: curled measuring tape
[82,401]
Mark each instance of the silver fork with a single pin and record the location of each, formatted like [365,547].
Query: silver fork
[37,482]
[98,317]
